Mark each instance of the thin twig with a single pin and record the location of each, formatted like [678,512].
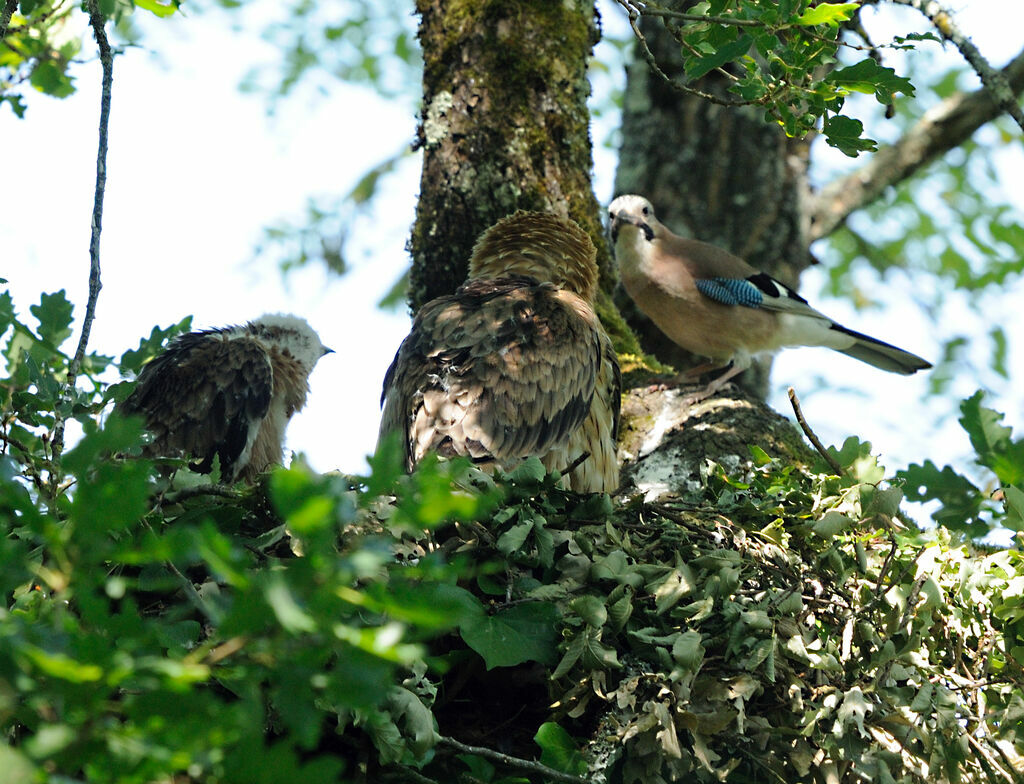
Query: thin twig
[9,8]
[56,11]
[720,20]
[194,596]
[226,649]
[652,62]
[97,21]
[985,758]
[403,773]
[575,464]
[192,492]
[833,464]
[994,81]
[512,762]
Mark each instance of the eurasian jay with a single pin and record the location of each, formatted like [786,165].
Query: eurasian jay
[515,363]
[715,305]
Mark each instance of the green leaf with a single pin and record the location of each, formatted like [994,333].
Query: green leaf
[426,604]
[133,360]
[48,78]
[961,500]
[1014,519]
[279,595]
[420,728]
[869,77]
[159,9]
[988,437]
[929,36]
[55,313]
[696,67]
[529,472]
[16,767]
[525,632]
[50,740]
[17,104]
[688,650]
[299,497]
[827,13]
[514,538]
[845,134]
[7,314]
[591,609]
[59,665]
[558,750]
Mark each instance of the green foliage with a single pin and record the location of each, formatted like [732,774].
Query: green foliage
[784,56]
[45,37]
[964,507]
[559,751]
[774,625]
[156,628]
[365,43]
[765,625]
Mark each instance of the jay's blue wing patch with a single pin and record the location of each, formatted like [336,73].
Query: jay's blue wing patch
[731,291]
[749,292]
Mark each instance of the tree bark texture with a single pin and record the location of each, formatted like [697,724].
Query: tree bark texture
[504,126]
[720,174]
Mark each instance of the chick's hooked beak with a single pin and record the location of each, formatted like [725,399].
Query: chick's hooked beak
[620,217]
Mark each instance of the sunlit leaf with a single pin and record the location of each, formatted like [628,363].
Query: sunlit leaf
[828,13]
[157,8]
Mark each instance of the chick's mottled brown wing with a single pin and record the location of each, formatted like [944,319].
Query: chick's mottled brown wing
[205,396]
[501,370]
[596,436]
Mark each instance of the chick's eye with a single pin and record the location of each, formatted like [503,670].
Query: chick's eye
[647,210]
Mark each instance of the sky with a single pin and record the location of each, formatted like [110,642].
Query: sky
[196,169]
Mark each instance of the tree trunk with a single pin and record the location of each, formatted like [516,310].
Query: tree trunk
[505,126]
[716,173]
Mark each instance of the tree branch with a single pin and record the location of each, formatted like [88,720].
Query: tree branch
[645,50]
[993,80]
[942,128]
[97,21]
[811,435]
[513,762]
[9,8]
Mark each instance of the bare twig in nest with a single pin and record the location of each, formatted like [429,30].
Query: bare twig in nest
[198,490]
[836,468]
[512,762]
[403,773]
[575,464]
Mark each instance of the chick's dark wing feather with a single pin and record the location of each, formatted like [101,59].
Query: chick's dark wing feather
[203,397]
[503,369]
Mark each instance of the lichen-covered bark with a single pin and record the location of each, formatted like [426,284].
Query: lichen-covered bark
[720,174]
[664,441]
[505,125]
